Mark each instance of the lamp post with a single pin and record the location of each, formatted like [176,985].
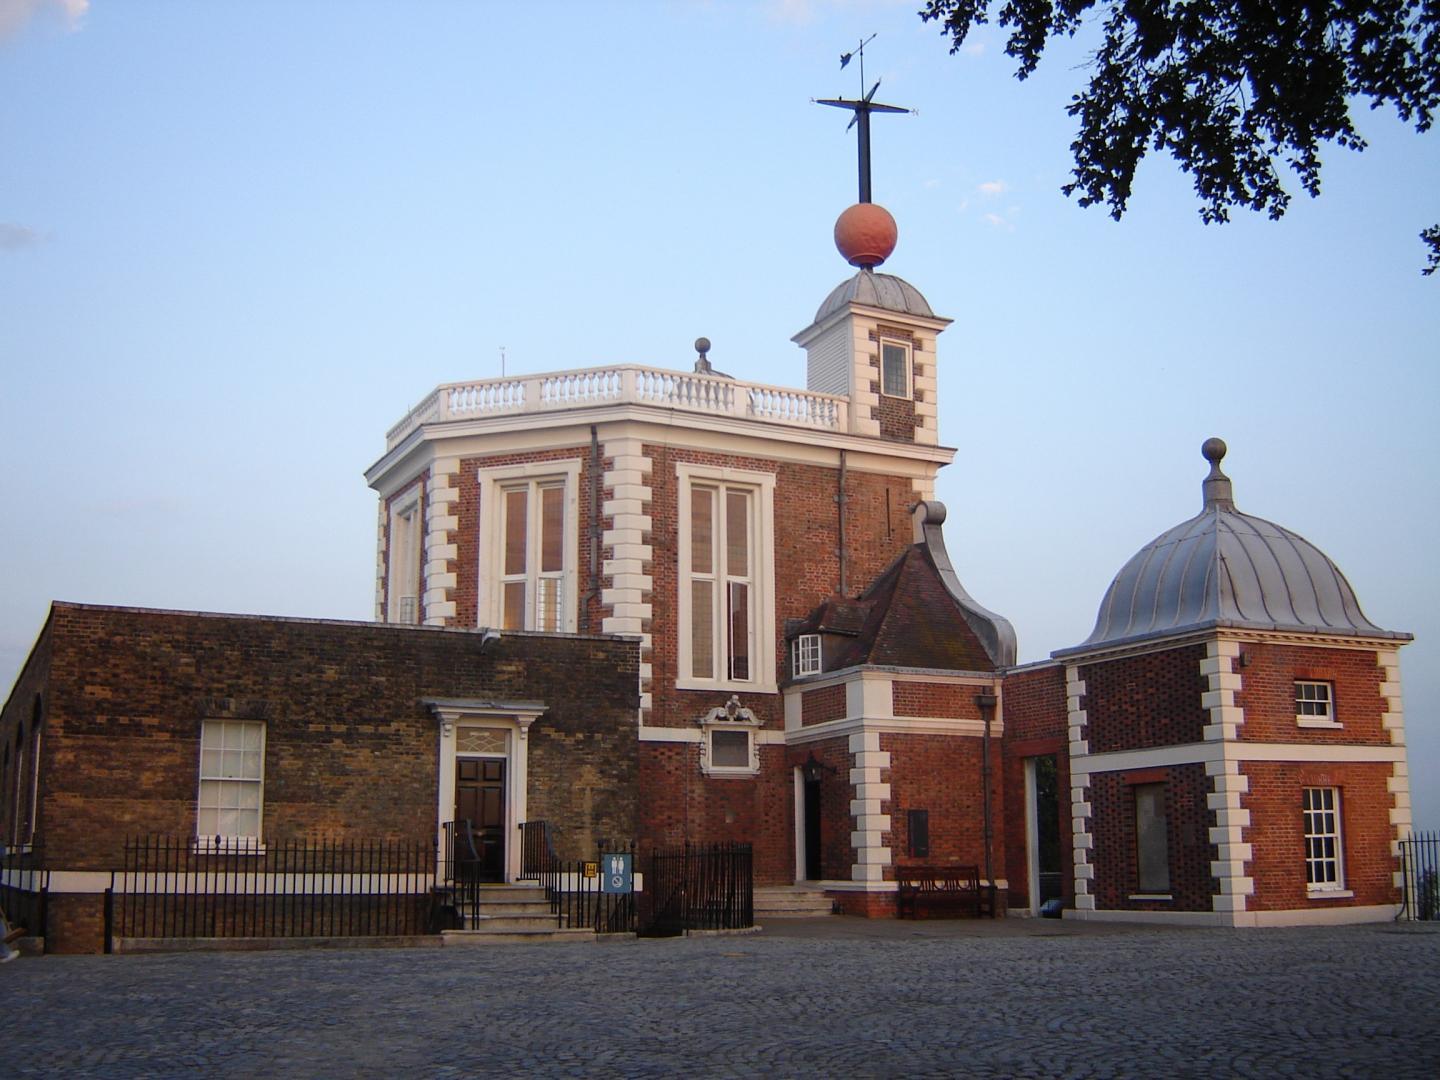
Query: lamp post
[987,703]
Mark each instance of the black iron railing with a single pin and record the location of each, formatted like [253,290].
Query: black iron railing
[576,888]
[178,887]
[1420,869]
[24,890]
[699,887]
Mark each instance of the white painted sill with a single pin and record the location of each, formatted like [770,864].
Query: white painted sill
[716,685]
[1310,722]
[1329,894]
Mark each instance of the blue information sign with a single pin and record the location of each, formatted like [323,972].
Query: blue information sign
[615,872]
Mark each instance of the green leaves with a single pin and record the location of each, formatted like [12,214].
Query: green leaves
[1234,90]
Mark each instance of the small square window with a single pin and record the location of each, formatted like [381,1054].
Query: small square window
[805,655]
[1314,704]
[730,751]
[894,369]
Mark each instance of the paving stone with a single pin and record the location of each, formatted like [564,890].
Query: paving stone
[834,998]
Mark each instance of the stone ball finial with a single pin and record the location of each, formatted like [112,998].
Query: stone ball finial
[1219,495]
[865,235]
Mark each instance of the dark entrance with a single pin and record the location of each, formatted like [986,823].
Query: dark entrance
[480,800]
[1047,828]
[812,825]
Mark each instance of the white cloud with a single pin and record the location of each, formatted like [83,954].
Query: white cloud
[932,183]
[973,48]
[993,187]
[15,14]
[15,237]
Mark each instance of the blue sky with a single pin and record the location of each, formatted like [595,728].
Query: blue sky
[238,240]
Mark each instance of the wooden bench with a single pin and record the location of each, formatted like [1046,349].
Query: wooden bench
[941,888]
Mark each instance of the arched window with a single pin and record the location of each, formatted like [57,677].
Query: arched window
[30,792]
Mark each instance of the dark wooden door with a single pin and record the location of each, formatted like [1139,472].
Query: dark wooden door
[812,830]
[480,800]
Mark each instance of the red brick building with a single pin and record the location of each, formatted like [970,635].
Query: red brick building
[675,606]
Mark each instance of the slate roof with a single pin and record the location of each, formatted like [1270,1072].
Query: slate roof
[915,614]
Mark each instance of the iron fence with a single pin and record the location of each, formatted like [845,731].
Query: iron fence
[699,887]
[176,887]
[1420,870]
[576,887]
[24,890]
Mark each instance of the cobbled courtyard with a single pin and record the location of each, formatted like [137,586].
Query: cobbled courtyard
[838,997]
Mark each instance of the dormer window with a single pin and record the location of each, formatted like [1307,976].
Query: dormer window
[894,368]
[805,655]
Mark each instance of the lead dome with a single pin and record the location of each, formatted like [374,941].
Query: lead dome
[1224,568]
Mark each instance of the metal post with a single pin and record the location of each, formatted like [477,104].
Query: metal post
[987,703]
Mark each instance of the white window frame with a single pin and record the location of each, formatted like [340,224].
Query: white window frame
[730,718]
[406,546]
[908,349]
[493,483]
[805,658]
[1314,718]
[762,608]
[1321,822]
[220,842]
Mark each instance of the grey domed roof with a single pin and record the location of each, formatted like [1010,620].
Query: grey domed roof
[885,291]
[1225,568]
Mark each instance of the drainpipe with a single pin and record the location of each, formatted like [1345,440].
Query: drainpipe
[596,481]
[840,504]
[987,703]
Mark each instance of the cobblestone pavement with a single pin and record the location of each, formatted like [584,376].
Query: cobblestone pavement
[838,998]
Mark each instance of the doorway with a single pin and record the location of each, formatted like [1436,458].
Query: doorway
[813,866]
[1042,830]
[480,800]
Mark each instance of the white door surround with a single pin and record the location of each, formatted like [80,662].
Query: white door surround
[514,719]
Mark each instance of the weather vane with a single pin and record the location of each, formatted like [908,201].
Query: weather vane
[862,108]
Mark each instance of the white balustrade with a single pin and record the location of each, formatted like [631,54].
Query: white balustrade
[624,384]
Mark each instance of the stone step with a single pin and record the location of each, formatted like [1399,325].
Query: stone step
[514,937]
[511,907]
[487,922]
[791,902]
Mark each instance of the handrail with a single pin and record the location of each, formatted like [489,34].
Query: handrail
[623,384]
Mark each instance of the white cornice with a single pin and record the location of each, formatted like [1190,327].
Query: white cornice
[1309,639]
[669,427]
[895,725]
[1201,753]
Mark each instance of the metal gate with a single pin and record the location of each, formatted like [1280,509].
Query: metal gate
[1420,867]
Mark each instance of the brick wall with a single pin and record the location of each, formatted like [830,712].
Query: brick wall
[826,703]
[350,749]
[679,803]
[1277,838]
[941,774]
[1142,701]
[1034,704]
[1267,693]
[1188,830]
[926,699]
